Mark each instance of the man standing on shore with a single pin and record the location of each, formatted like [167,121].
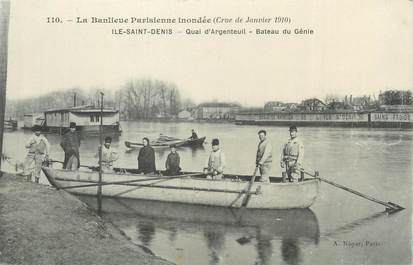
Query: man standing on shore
[70,144]
[264,156]
[38,151]
[292,155]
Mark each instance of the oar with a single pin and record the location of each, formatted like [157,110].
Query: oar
[248,195]
[89,167]
[390,206]
[129,181]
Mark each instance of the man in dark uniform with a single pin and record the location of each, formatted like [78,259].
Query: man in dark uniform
[194,136]
[146,158]
[172,162]
[70,144]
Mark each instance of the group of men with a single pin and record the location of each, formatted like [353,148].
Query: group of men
[39,149]
[291,158]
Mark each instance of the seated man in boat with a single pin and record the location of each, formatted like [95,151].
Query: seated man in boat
[215,164]
[146,158]
[292,156]
[172,162]
[38,151]
[264,156]
[194,136]
[70,144]
[109,155]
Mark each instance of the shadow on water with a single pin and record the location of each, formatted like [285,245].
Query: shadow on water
[218,227]
[350,227]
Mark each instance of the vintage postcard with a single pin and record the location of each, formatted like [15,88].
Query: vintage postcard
[206,132]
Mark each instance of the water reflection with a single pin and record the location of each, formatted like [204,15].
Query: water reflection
[146,232]
[215,231]
[290,251]
[215,239]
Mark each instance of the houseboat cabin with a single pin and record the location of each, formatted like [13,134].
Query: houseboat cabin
[87,119]
[29,120]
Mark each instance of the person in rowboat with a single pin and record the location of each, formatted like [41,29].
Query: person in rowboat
[215,164]
[194,136]
[70,144]
[109,155]
[38,152]
[172,162]
[292,155]
[146,158]
[264,156]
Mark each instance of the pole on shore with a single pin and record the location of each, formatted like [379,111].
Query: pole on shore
[99,195]
[4,33]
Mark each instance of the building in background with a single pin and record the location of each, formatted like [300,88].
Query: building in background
[217,111]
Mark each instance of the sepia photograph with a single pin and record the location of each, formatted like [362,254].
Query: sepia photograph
[194,132]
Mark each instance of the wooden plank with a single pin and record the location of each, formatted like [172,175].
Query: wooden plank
[4,34]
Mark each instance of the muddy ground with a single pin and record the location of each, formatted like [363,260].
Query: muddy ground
[41,225]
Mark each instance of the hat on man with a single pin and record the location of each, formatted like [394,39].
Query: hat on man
[108,140]
[72,125]
[215,141]
[293,128]
[37,128]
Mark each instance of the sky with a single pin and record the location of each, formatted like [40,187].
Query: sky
[358,48]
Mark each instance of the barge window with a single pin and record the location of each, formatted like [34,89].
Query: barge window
[92,118]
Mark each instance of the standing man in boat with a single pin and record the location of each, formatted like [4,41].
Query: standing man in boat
[109,155]
[38,151]
[172,162]
[292,155]
[264,156]
[70,144]
[194,136]
[146,158]
[215,164]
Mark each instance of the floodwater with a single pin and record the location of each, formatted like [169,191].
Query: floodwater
[340,228]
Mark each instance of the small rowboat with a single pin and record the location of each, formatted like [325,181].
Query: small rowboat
[191,188]
[166,144]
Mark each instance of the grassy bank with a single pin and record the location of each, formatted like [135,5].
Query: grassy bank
[40,225]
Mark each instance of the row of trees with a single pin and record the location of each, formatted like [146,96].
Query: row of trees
[148,98]
[396,97]
[137,99]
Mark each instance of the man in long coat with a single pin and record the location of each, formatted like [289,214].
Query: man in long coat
[70,144]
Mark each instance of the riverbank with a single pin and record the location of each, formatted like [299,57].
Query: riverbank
[41,225]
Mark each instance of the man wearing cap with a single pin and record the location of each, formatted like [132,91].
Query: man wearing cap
[70,144]
[38,151]
[292,155]
[109,155]
[172,162]
[215,164]
[264,156]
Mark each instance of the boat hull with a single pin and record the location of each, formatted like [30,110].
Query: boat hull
[226,193]
[166,144]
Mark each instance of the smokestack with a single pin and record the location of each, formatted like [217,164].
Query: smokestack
[74,100]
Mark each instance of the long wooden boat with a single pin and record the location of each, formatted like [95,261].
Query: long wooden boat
[291,223]
[166,144]
[189,188]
